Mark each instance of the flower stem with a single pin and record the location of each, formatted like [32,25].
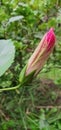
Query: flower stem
[12,88]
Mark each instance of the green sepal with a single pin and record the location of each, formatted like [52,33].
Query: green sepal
[23,79]
[22,74]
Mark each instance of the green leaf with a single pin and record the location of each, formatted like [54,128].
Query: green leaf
[7,53]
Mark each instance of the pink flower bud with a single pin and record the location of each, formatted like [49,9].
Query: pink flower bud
[41,53]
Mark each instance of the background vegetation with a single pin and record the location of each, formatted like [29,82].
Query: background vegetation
[25,22]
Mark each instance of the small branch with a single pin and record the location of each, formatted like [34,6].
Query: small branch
[43,107]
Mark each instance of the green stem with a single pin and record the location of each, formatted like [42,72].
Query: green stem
[12,88]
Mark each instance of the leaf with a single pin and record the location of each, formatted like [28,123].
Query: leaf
[7,53]
[59,16]
[22,4]
[54,73]
[15,18]
[56,117]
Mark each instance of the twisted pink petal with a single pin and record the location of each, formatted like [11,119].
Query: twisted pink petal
[42,52]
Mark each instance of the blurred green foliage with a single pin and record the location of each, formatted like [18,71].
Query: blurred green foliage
[25,22]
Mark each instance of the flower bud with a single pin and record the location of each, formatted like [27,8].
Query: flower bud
[41,53]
